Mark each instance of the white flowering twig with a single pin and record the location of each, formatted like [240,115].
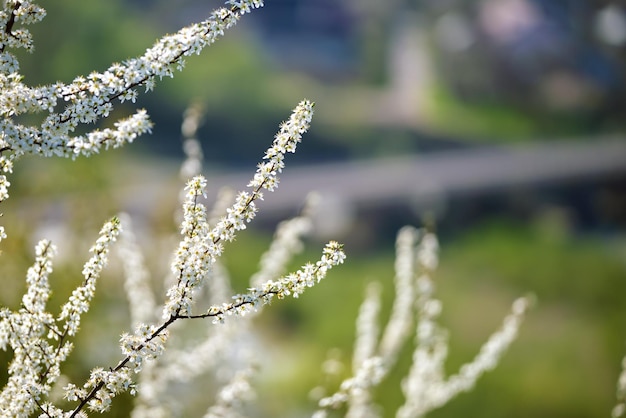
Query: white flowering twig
[40,343]
[202,245]
[366,362]
[372,360]
[148,341]
[25,332]
[425,387]
[398,328]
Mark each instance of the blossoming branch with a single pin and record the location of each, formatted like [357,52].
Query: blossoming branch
[39,341]
[88,98]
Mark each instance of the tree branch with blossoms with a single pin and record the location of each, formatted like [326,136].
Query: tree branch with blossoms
[200,247]
[89,98]
[39,341]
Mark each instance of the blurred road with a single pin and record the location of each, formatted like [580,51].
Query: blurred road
[430,181]
[439,175]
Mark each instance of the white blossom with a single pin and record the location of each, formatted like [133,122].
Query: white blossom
[367,329]
[80,299]
[36,359]
[293,284]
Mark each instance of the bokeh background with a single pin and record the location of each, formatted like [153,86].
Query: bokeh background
[499,121]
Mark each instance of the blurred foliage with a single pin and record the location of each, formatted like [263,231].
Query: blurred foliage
[483,120]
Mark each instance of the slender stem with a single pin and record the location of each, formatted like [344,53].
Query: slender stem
[9,26]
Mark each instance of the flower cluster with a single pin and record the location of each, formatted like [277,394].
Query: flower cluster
[38,340]
[147,343]
[99,390]
[22,12]
[81,296]
[36,359]
[227,349]
[285,141]
[194,262]
[91,98]
[426,387]
[194,255]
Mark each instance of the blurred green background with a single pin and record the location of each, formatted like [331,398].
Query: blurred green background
[389,78]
